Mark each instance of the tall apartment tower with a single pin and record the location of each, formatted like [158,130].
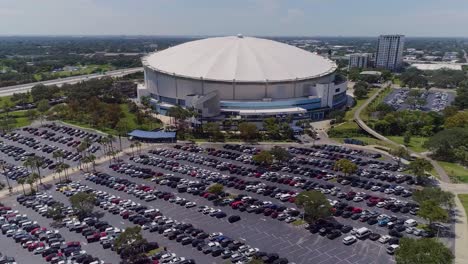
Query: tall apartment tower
[390,52]
[359,60]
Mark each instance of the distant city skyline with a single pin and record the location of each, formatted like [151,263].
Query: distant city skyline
[366,18]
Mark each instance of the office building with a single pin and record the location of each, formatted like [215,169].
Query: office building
[359,60]
[389,53]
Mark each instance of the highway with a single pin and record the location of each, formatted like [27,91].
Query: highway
[22,88]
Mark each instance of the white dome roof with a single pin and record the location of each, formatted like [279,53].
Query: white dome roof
[243,59]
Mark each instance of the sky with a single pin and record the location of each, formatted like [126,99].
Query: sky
[437,18]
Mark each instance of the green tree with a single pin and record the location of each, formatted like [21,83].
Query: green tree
[400,153]
[435,194]
[248,131]
[461,100]
[272,128]
[407,138]
[211,129]
[263,157]
[444,144]
[347,167]
[32,114]
[419,167]
[432,212]
[42,107]
[338,115]
[130,244]
[31,180]
[145,101]
[361,89]
[83,203]
[55,212]
[22,181]
[423,251]
[216,189]
[315,205]
[280,154]
[459,119]
[122,128]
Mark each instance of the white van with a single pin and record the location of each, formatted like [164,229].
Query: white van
[285,197]
[410,223]
[149,211]
[362,232]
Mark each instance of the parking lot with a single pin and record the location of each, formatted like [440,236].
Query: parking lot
[434,100]
[256,215]
[53,144]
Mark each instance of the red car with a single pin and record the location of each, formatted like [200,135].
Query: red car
[51,256]
[35,245]
[73,244]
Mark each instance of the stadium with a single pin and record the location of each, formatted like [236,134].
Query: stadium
[243,77]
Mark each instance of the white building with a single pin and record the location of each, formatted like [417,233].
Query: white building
[389,53]
[359,60]
[242,77]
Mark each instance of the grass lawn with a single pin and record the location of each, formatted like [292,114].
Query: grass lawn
[416,143]
[464,200]
[349,115]
[4,99]
[88,69]
[130,118]
[20,117]
[299,222]
[455,171]
[367,140]
[154,251]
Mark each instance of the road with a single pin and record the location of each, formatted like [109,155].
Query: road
[5,91]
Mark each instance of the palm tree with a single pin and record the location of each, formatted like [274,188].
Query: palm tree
[65,168]
[29,163]
[138,146]
[111,139]
[22,181]
[58,155]
[30,180]
[80,149]
[131,148]
[92,159]
[38,163]
[58,170]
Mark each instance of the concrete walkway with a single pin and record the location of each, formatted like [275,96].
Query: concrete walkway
[357,118]
[461,225]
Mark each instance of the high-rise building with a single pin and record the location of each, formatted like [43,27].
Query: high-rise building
[390,52]
[359,60]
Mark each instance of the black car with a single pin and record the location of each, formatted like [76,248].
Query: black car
[234,218]
[334,234]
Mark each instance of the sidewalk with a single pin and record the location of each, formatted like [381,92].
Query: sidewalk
[461,234]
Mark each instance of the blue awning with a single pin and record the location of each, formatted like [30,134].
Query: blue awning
[152,134]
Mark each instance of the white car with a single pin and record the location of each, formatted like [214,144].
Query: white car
[384,239]
[391,249]
[358,199]
[349,240]
[381,204]
[190,204]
